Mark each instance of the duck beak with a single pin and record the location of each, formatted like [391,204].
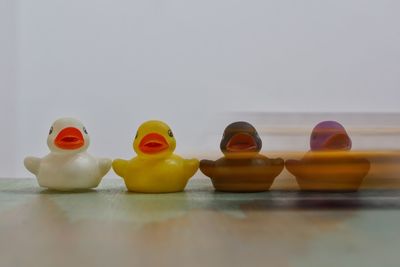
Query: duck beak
[153,143]
[69,138]
[338,142]
[241,142]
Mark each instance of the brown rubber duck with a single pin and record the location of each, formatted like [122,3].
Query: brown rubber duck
[243,168]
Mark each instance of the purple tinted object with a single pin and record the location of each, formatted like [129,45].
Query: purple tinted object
[329,135]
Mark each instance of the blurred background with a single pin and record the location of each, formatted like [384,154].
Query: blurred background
[197,65]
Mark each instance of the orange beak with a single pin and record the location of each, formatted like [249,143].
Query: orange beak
[338,142]
[241,142]
[69,138]
[153,143]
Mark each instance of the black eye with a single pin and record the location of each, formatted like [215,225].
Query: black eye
[84,130]
[136,135]
[170,133]
[51,130]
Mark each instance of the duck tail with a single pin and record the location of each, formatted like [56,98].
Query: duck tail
[192,165]
[207,167]
[119,167]
[104,166]
[32,164]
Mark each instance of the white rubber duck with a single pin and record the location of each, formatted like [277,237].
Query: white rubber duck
[68,166]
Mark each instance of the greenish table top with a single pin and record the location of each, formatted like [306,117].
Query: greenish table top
[198,227]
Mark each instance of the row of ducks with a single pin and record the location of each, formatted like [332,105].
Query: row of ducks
[156,169]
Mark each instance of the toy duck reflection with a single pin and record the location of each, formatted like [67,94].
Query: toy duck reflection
[329,165]
[155,169]
[68,166]
[243,168]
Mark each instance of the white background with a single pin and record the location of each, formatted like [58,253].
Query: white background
[114,64]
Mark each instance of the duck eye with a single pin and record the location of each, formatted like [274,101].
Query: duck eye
[170,133]
[84,130]
[51,130]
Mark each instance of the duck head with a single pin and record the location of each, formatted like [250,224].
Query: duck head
[240,138]
[329,135]
[154,139]
[68,135]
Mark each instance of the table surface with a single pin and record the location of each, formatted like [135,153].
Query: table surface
[198,227]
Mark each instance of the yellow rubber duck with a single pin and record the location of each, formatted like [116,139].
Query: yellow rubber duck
[155,169]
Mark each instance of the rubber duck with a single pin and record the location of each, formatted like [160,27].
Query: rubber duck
[155,169]
[243,168]
[329,165]
[68,166]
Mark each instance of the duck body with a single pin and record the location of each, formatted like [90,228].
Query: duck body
[243,168]
[253,174]
[71,172]
[68,166]
[166,175]
[155,169]
[329,171]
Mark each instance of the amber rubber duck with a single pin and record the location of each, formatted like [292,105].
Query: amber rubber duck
[329,165]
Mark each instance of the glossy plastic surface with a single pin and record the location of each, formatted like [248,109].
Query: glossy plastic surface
[68,166]
[243,168]
[155,169]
